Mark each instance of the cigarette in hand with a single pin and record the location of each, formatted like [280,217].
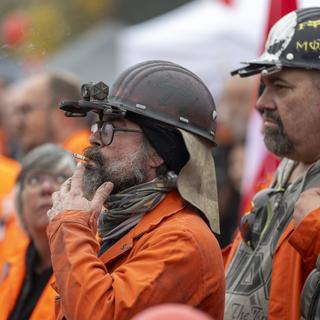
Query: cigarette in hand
[80,157]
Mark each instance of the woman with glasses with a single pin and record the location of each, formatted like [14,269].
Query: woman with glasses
[25,290]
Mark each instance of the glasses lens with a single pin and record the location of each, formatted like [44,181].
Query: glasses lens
[106,133]
[34,179]
[94,128]
[38,178]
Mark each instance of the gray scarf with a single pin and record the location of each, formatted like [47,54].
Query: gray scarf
[126,208]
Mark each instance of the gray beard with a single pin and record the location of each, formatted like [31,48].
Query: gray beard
[123,173]
[275,139]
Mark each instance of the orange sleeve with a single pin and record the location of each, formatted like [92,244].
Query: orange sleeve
[306,238]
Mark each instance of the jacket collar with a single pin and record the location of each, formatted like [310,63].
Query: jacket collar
[287,232]
[171,204]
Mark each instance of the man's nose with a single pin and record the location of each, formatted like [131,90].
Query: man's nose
[48,186]
[265,101]
[95,139]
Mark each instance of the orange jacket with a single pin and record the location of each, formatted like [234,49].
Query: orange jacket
[3,142]
[9,169]
[170,256]
[13,239]
[294,258]
[11,280]
[77,142]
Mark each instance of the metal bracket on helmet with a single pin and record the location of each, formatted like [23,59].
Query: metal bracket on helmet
[95,91]
[272,69]
[94,98]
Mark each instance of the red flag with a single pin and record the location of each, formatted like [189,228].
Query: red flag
[278,9]
[227,2]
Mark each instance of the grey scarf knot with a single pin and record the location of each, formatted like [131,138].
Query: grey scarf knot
[126,208]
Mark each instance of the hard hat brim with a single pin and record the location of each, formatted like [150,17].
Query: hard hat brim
[255,67]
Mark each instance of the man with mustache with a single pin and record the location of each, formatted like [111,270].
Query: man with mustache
[274,252]
[149,181]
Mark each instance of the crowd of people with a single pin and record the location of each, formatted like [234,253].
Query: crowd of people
[147,224]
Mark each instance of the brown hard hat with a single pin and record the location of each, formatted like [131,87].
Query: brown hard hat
[169,93]
[157,90]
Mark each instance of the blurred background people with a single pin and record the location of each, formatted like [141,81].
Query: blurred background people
[26,273]
[34,117]
[9,168]
[235,105]
[9,73]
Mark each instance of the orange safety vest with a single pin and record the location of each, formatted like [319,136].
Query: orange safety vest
[9,170]
[13,238]
[11,281]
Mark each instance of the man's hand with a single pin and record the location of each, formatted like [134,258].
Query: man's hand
[70,196]
[308,201]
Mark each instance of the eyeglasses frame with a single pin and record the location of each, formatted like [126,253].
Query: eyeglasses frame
[100,125]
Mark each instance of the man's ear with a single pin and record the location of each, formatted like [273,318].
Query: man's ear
[155,160]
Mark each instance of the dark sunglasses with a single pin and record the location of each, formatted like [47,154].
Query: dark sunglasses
[254,224]
[106,131]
